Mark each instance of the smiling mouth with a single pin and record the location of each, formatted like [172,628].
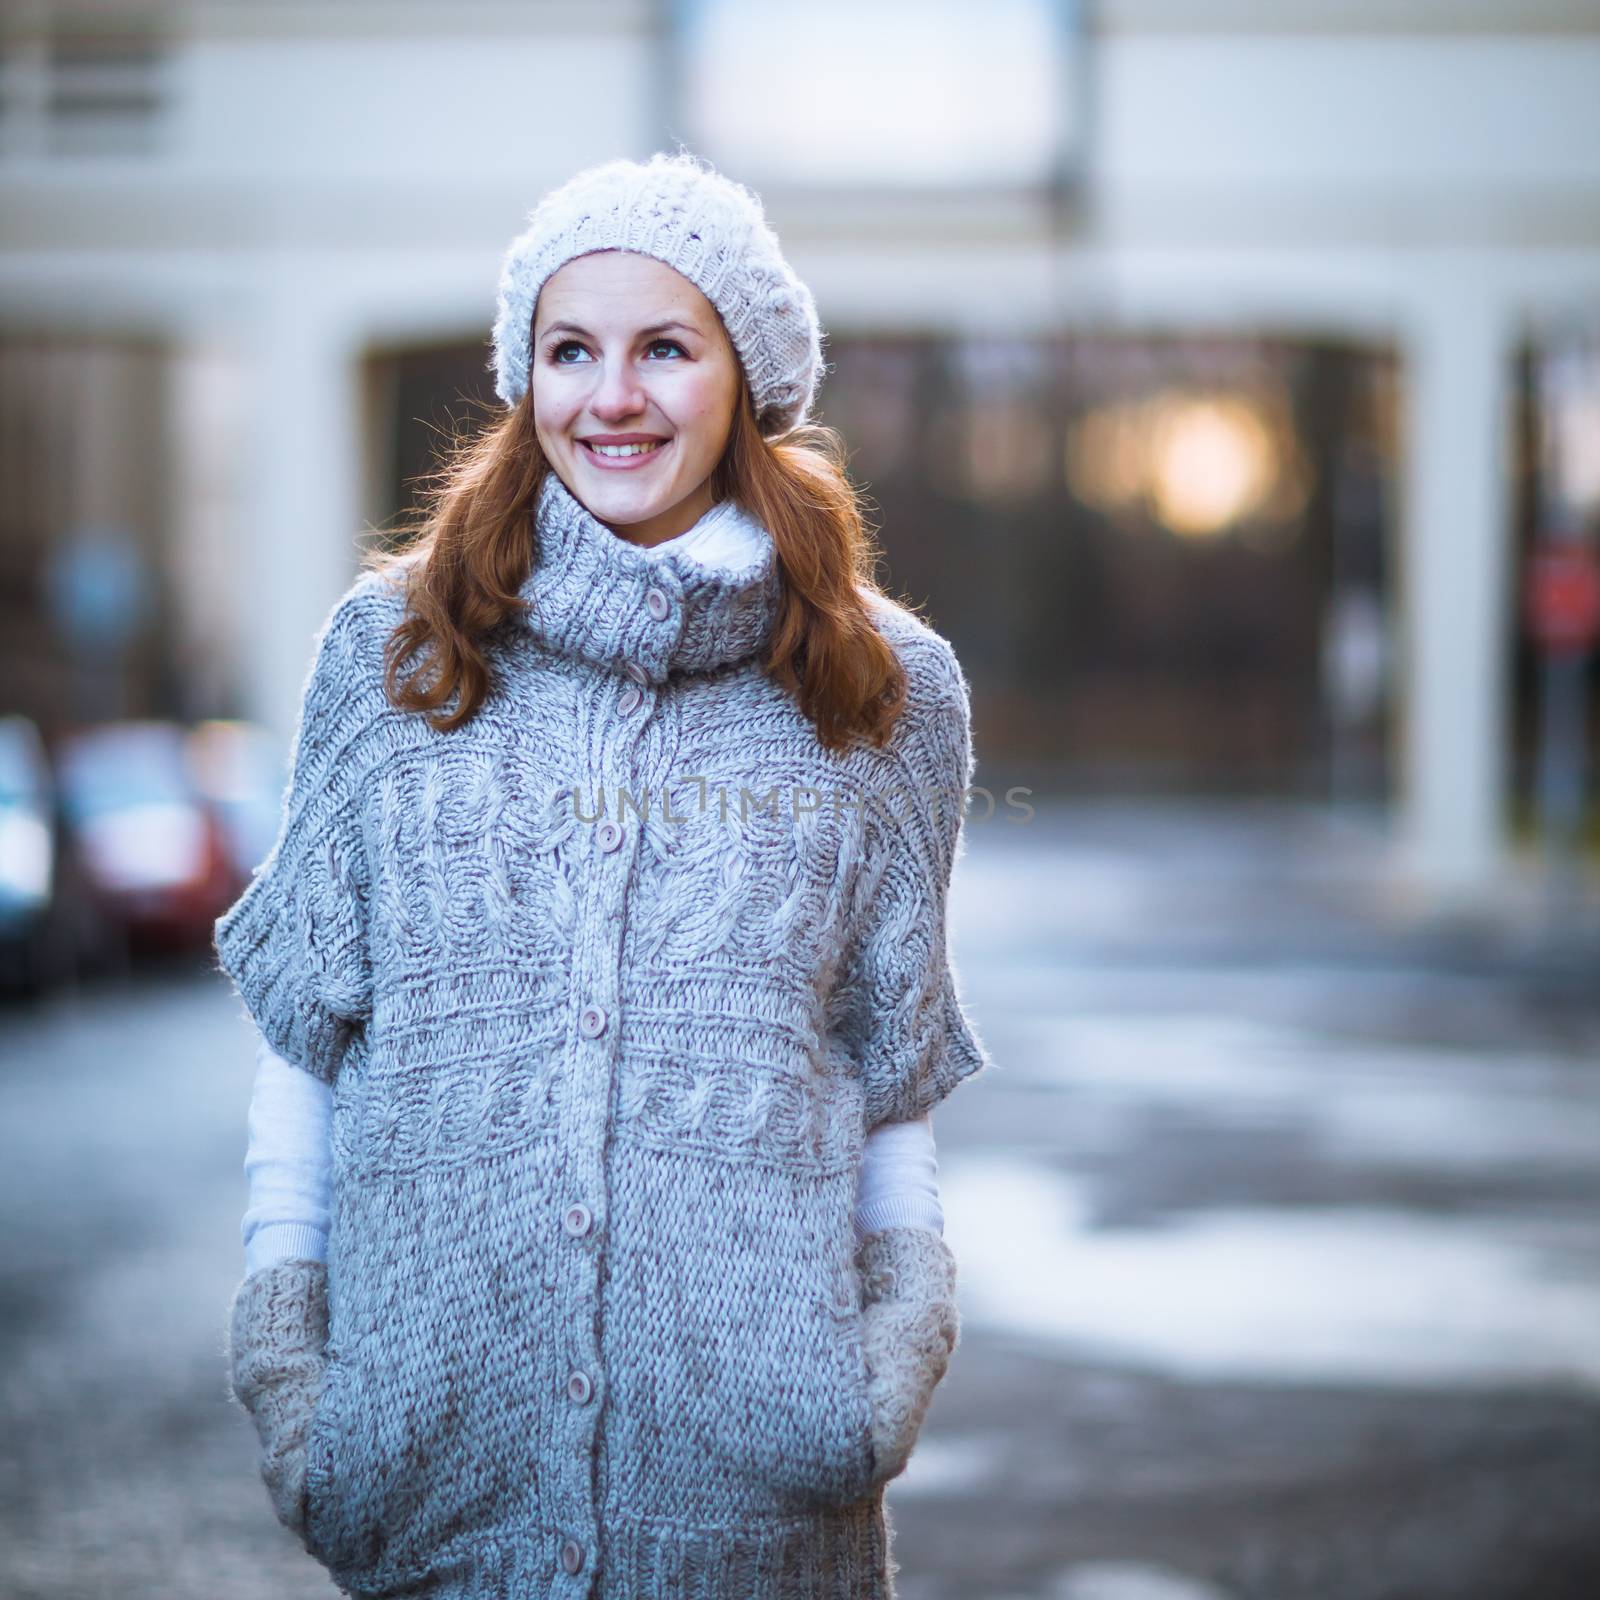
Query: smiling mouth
[624,454]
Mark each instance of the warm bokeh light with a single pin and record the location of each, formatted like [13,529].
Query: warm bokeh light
[1105,454]
[1201,464]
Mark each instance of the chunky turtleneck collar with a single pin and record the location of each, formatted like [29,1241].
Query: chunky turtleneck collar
[594,594]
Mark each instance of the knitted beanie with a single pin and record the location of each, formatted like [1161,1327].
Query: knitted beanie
[679,210]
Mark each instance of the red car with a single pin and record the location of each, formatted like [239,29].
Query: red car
[151,850]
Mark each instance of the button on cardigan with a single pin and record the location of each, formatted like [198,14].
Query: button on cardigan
[686,1038]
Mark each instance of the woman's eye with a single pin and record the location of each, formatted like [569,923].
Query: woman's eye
[572,344]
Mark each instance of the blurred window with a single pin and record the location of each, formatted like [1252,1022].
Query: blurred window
[1164,560]
[1555,733]
[925,94]
[82,81]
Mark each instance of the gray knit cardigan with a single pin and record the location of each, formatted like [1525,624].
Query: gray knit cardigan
[610,984]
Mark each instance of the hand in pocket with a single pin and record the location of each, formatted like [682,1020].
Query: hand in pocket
[909,1327]
[277,1335]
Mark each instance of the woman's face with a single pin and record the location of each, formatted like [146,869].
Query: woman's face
[625,348]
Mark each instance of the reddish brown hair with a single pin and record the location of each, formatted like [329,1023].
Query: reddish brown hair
[470,547]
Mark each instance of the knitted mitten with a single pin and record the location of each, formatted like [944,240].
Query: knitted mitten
[277,1331]
[910,1326]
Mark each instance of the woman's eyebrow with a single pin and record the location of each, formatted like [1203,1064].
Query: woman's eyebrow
[655,328]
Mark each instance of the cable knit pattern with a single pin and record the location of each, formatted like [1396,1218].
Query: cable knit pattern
[277,1333]
[603,1064]
[680,210]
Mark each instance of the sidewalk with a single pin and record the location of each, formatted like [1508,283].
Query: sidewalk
[1261,883]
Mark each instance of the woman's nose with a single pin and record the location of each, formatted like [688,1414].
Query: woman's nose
[617,394]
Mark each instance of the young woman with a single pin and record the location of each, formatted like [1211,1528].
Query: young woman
[601,975]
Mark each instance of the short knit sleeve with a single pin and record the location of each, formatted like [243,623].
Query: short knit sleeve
[295,942]
[904,1021]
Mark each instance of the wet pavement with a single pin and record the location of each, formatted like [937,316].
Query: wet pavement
[1280,1267]
[1277,1222]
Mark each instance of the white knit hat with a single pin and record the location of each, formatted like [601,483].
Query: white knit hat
[712,230]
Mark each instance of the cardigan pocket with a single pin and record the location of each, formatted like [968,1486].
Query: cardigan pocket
[736,1377]
[381,1469]
[819,1448]
[848,1314]
[319,1462]
[796,1428]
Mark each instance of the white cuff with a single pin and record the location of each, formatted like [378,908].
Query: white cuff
[289,1163]
[899,1179]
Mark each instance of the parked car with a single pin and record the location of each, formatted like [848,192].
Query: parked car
[240,769]
[153,854]
[27,855]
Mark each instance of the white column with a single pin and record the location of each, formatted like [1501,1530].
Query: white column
[208,391]
[1455,591]
[301,548]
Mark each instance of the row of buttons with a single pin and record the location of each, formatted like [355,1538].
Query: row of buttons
[633,694]
[578,1219]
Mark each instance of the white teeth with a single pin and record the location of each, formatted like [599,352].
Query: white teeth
[625,449]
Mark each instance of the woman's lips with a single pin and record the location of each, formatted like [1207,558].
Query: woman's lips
[622,463]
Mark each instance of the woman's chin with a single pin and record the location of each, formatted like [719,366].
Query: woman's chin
[619,506]
[627,500]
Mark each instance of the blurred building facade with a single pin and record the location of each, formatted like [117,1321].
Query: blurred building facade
[1186,350]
